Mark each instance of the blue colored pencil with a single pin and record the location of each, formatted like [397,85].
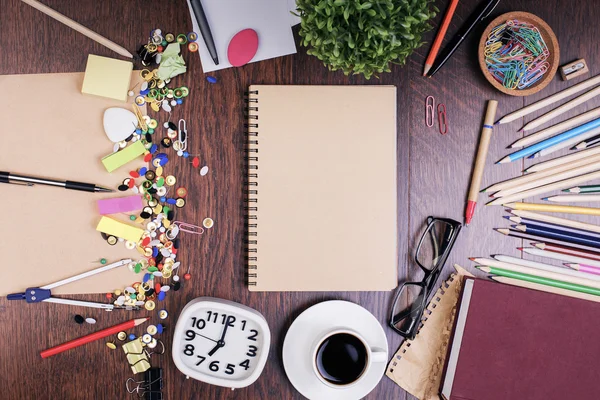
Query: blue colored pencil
[558,234]
[529,221]
[534,148]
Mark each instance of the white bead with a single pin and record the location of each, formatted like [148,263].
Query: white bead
[173,103]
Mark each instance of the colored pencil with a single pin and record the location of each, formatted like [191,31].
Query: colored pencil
[542,273]
[584,189]
[569,105]
[78,27]
[510,183]
[541,280]
[563,94]
[594,140]
[554,208]
[585,269]
[559,256]
[560,127]
[565,143]
[528,221]
[573,198]
[561,184]
[545,288]
[576,171]
[500,260]
[113,330]
[556,220]
[534,148]
[563,160]
[572,251]
[482,151]
[526,236]
[435,47]
[559,234]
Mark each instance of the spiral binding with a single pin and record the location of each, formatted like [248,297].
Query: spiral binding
[251,186]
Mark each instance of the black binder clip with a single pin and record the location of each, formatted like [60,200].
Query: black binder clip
[150,388]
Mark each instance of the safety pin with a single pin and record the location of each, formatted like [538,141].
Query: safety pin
[429,107]
[441,108]
[189,228]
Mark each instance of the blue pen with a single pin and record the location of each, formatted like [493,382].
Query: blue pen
[579,130]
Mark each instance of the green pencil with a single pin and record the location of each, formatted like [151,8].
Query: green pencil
[540,280]
[584,189]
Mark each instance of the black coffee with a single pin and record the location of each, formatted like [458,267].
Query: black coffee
[341,358]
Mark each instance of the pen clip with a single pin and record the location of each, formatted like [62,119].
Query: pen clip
[22,183]
[489,12]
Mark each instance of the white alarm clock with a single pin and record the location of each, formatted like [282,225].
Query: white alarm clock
[221,342]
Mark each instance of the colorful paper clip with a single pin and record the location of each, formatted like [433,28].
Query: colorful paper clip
[441,109]
[189,228]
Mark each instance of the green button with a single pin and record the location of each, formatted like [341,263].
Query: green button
[138,268]
[152,269]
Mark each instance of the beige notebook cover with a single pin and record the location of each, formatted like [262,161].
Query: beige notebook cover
[322,201]
[49,234]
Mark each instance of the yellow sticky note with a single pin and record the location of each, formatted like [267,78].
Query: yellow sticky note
[122,157]
[107,77]
[119,229]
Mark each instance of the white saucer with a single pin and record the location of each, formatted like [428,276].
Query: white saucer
[316,321]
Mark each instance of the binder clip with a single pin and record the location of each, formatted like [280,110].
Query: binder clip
[137,355]
[150,388]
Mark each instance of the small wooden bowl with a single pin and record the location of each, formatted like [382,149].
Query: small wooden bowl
[548,36]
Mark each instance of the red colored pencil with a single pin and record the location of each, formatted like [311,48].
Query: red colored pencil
[92,337]
[435,47]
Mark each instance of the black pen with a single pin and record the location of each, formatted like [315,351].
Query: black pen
[7,177]
[482,12]
[205,29]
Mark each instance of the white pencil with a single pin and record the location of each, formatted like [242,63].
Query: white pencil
[573,198]
[562,184]
[542,266]
[567,143]
[569,105]
[563,160]
[560,256]
[556,220]
[537,176]
[588,83]
[545,288]
[560,127]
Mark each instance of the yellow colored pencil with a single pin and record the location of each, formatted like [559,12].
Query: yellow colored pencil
[554,208]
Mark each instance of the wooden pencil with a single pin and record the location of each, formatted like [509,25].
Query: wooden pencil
[482,152]
[589,142]
[573,198]
[435,47]
[554,208]
[556,220]
[566,143]
[568,250]
[550,100]
[585,269]
[561,184]
[560,127]
[537,176]
[526,236]
[569,105]
[560,256]
[563,160]
[584,189]
[78,27]
[559,234]
[545,288]
[527,221]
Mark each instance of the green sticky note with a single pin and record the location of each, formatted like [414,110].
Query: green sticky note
[122,157]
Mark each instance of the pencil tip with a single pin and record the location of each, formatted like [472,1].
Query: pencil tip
[472,258]
[506,216]
[545,198]
[520,248]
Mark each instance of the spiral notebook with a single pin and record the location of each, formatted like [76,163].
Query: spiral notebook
[321,188]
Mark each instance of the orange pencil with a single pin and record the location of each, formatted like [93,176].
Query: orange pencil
[440,36]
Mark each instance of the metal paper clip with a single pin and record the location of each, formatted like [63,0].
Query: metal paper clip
[189,228]
[429,107]
[441,109]
[182,138]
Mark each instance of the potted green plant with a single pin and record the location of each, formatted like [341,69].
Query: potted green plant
[363,36]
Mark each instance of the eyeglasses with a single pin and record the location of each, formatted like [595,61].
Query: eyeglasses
[431,254]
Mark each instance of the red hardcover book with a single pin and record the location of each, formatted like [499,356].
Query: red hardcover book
[512,343]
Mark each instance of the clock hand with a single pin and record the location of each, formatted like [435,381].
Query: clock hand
[221,341]
[205,337]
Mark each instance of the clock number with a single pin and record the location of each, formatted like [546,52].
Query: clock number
[198,323]
[252,351]
[190,334]
[254,335]
[223,318]
[245,364]
[201,360]
[215,315]
[229,370]
[214,366]
[243,324]
[189,350]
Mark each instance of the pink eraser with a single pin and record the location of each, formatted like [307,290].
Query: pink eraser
[120,205]
[242,47]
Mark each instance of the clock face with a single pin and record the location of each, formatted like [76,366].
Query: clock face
[222,342]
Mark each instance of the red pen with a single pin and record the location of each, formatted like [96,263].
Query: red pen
[92,337]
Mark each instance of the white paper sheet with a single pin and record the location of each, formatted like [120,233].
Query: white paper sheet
[270,19]
[292,5]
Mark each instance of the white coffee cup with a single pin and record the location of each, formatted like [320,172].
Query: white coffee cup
[373,355]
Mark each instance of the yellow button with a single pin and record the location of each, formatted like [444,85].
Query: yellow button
[152,329]
[208,223]
[150,305]
[171,180]
[121,335]
[111,345]
[163,314]
[159,171]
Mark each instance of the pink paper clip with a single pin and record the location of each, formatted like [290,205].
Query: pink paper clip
[189,228]
[441,109]
[429,109]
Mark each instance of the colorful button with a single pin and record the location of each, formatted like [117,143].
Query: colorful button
[163,314]
[208,223]
[111,345]
[121,336]
[152,330]
[150,305]
[79,319]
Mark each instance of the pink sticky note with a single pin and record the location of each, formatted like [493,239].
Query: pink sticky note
[120,205]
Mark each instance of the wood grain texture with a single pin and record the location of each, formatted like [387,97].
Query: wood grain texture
[433,177]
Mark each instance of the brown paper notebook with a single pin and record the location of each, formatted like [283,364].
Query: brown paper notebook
[322,212]
[516,343]
[48,234]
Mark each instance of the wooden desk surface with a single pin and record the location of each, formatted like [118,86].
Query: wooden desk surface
[434,172]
